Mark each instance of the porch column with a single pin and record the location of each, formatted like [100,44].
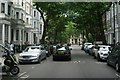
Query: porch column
[30,37]
[3,33]
[9,33]
[23,36]
[14,33]
[20,36]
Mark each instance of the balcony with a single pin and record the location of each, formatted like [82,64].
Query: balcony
[28,26]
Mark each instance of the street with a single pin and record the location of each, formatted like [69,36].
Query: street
[82,65]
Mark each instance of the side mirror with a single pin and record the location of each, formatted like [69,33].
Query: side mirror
[4,55]
[70,48]
[109,52]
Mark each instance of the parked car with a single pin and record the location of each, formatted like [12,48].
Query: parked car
[102,52]
[86,46]
[62,53]
[46,47]
[114,58]
[32,54]
[91,50]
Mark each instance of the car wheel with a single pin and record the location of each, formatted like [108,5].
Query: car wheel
[54,59]
[39,59]
[98,57]
[117,67]
[69,58]
[108,63]
[20,62]
[94,57]
[45,57]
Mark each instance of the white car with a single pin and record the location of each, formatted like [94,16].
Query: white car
[103,52]
[86,46]
[32,54]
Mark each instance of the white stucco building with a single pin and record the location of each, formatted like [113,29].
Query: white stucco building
[20,22]
[110,24]
[76,40]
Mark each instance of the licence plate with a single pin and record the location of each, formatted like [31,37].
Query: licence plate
[26,58]
[60,53]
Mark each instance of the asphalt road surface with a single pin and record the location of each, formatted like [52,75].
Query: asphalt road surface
[82,65]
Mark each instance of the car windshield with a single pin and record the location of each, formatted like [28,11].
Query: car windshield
[31,49]
[105,48]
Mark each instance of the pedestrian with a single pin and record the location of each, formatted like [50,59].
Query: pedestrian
[12,47]
[7,45]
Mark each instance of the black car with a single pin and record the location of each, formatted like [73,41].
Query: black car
[114,58]
[62,53]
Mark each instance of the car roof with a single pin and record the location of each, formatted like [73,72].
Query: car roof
[33,46]
[87,43]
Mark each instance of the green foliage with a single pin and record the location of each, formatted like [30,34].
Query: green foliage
[66,18]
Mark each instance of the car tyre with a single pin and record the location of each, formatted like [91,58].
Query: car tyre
[39,59]
[45,57]
[20,62]
[117,67]
[108,63]
[94,57]
[98,58]
[54,59]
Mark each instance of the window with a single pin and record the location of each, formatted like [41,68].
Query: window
[12,13]
[34,13]
[17,34]
[34,37]
[17,15]
[22,3]
[34,24]
[22,16]
[27,20]
[26,36]
[9,9]
[37,14]
[12,34]
[2,7]
[40,26]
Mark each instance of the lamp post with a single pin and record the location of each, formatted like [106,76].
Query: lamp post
[114,40]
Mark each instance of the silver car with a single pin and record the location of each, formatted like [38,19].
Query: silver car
[32,54]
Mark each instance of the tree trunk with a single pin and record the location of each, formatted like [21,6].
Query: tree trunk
[45,25]
[100,35]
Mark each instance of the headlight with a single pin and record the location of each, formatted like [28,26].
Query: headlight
[20,57]
[101,53]
[34,56]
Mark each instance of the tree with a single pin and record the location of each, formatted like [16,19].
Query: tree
[87,17]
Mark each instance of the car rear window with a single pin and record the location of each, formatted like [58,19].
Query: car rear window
[35,48]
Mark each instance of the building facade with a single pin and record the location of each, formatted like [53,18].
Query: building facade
[20,22]
[76,40]
[113,22]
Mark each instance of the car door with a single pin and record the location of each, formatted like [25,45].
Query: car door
[96,52]
[43,53]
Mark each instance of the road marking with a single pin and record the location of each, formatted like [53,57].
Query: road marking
[21,74]
[100,63]
[25,76]
[117,75]
[33,67]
